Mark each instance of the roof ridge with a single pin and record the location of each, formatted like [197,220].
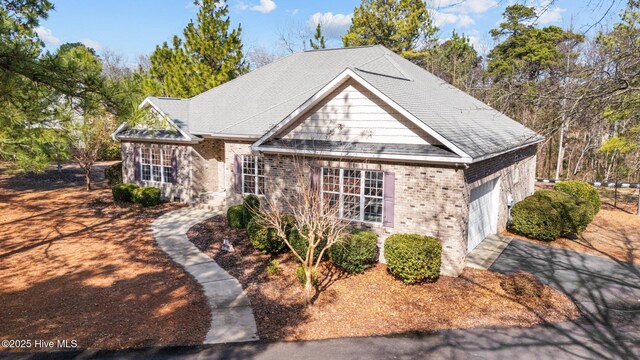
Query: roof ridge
[343,48]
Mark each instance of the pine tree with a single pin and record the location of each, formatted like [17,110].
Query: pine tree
[209,54]
[318,39]
[404,26]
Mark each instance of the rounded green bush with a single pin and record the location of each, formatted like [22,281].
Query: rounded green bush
[235,217]
[146,196]
[264,239]
[300,244]
[536,218]
[250,207]
[356,252]
[123,192]
[413,258]
[576,214]
[113,174]
[582,191]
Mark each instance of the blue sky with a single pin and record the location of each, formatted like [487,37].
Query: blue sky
[134,27]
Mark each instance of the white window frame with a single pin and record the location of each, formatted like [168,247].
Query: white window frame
[341,193]
[257,160]
[162,154]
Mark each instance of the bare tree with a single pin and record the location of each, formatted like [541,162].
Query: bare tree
[316,219]
[259,57]
[294,37]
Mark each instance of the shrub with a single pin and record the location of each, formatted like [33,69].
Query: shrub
[303,279]
[250,207]
[521,284]
[300,244]
[263,238]
[113,174]
[536,218]
[123,192]
[235,217]
[146,196]
[356,252]
[582,191]
[413,258]
[273,269]
[576,214]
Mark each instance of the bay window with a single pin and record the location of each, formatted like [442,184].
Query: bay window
[156,165]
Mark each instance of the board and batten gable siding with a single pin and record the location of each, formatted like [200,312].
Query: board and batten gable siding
[352,113]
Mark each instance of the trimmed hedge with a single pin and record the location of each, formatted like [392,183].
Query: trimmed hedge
[413,258]
[113,174]
[123,192]
[264,239]
[581,190]
[250,207]
[576,214]
[300,244]
[146,196]
[356,252]
[536,218]
[236,217]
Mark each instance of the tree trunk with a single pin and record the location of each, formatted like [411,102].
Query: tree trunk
[560,149]
[87,177]
[308,286]
[638,213]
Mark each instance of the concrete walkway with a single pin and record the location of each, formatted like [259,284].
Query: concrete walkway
[486,253]
[231,315]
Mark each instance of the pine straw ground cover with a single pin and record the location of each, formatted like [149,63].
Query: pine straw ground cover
[373,303]
[75,266]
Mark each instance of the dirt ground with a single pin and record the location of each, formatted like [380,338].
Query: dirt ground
[73,265]
[614,232]
[373,303]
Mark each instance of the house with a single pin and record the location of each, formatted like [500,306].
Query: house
[431,159]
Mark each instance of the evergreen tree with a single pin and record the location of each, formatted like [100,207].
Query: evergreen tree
[456,61]
[318,39]
[404,26]
[209,54]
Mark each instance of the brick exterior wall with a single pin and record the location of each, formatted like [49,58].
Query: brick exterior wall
[517,172]
[199,168]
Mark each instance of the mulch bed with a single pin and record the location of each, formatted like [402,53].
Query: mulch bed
[613,234]
[76,266]
[373,303]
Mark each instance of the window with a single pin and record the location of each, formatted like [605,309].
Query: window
[156,165]
[253,178]
[358,193]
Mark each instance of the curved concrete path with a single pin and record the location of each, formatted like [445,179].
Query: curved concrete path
[231,315]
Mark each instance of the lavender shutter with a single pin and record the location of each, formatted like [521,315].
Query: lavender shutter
[237,176]
[315,179]
[174,167]
[136,163]
[389,199]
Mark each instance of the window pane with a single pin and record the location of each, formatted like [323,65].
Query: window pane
[331,180]
[249,184]
[351,182]
[260,166]
[373,183]
[146,172]
[155,156]
[351,207]
[261,185]
[145,157]
[248,165]
[166,157]
[373,209]
[168,173]
[156,173]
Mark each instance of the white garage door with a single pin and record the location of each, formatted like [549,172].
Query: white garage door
[483,212]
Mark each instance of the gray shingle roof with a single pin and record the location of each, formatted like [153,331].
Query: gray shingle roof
[253,103]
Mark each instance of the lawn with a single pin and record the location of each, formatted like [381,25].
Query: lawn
[73,265]
[614,232]
[373,303]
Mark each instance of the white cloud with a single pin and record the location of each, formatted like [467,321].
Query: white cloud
[548,14]
[91,44]
[443,18]
[47,36]
[333,25]
[265,6]
[463,6]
